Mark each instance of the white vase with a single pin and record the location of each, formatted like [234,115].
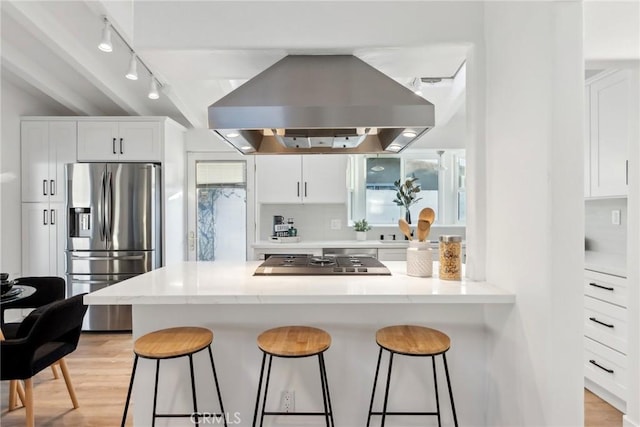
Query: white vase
[419,259]
[361,235]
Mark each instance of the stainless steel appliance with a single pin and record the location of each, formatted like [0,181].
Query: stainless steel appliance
[310,265]
[114,220]
[309,104]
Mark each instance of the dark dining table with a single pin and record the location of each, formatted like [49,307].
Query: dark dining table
[16,293]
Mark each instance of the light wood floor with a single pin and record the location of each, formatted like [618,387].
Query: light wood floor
[100,369]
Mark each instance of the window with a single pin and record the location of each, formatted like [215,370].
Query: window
[441,180]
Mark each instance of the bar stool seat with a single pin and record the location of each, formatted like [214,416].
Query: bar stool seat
[413,340]
[294,342]
[417,341]
[169,344]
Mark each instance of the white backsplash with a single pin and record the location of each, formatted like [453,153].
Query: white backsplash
[600,234]
[314,223]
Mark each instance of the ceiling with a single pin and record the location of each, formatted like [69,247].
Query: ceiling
[201,50]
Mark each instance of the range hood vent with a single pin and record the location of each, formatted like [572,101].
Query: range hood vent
[321,104]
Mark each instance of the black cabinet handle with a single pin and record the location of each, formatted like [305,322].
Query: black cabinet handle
[52,186]
[113,146]
[53,217]
[593,319]
[44,187]
[121,152]
[593,362]
[44,217]
[600,286]
[305,189]
[298,188]
[626,172]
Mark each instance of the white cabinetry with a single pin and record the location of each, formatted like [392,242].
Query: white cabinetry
[606,337]
[110,141]
[45,148]
[301,179]
[611,113]
[43,239]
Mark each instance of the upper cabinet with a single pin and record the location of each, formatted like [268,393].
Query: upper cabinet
[45,148]
[301,179]
[610,119]
[135,141]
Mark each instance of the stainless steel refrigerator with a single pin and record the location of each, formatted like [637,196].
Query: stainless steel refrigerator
[114,220]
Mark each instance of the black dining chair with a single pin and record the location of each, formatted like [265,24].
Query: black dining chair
[48,289]
[44,337]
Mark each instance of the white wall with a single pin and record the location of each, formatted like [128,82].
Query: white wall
[534,217]
[15,102]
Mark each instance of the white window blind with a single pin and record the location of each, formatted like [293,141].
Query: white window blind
[208,173]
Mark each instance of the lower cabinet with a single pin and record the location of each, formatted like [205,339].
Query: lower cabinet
[43,239]
[606,337]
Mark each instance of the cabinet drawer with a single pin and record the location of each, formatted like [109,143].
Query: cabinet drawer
[606,323]
[611,374]
[605,287]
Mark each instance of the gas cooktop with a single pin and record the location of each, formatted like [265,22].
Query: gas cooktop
[309,265]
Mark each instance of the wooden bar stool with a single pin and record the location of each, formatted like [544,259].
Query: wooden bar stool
[170,344]
[294,342]
[411,340]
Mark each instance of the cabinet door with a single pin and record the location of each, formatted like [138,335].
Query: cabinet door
[57,239]
[587,141]
[279,179]
[98,141]
[610,118]
[324,178]
[36,242]
[34,149]
[140,142]
[62,150]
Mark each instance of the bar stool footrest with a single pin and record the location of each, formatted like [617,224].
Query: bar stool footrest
[187,415]
[404,413]
[296,413]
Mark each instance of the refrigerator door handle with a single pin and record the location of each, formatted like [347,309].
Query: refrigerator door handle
[108,258]
[108,207]
[101,207]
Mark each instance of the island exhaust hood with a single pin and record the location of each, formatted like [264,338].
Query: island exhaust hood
[306,104]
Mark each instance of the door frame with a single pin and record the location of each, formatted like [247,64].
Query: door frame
[196,156]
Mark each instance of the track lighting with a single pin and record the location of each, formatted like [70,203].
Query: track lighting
[105,42]
[153,89]
[132,74]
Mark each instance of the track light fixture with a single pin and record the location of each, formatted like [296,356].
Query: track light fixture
[132,73]
[105,41]
[153,89]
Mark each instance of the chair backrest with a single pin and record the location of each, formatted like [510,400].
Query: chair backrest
[59,321]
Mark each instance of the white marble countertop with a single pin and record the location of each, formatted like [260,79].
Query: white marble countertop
[607,263]
[233,283]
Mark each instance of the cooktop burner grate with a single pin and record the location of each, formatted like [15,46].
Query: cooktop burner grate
[313,265]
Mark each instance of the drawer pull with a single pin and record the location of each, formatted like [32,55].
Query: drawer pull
[593,319]
[600,286]
[593,362]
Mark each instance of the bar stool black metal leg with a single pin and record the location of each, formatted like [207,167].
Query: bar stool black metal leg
[193,390]
[255,411]
[435,386]
[386,391]
[266,391]
[324,391]
[215,379]
[326,384]
[375,383]
[126,405]
[155,393]
[453,406]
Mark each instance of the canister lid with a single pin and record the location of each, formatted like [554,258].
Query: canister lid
[451,238]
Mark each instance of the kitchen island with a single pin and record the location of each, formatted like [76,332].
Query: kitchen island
[237,306]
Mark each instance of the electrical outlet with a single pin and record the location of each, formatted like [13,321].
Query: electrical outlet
[336,224]
[615,217]
[288,401]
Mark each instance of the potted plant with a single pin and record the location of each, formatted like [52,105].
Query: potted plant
[406,195]
[361,228]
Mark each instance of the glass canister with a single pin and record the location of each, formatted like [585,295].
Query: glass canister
[450,257]
[419,259]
